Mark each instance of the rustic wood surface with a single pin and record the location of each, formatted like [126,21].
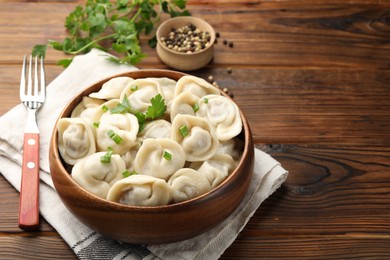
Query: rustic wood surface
[312,77]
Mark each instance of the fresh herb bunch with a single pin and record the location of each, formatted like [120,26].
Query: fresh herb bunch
[118,23]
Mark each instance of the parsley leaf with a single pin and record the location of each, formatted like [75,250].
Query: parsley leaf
[39,51]
[157,108]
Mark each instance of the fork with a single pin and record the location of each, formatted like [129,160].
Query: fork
[33,98]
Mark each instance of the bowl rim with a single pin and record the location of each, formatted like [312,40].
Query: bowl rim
[247,149]
[179,18]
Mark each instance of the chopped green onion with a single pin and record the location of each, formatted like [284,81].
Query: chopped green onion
[183,130]
[206,100]
[134,88]
[167,156]
[96,124]
[195,107]
[119,109]
[106,158]
[115,137]
[128,173]
[105,108]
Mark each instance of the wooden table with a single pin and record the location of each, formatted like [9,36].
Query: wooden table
[312,77]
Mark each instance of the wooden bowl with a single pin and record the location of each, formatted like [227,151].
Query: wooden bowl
[184,61]
[157,224]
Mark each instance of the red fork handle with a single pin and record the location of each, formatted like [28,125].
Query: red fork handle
[29,189]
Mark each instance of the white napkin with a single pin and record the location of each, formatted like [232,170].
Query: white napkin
[87,244]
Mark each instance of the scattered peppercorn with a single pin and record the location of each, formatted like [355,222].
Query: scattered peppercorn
[211,78]
[231,44]
[225,42]
[217,34]
[229,70]
[186,39]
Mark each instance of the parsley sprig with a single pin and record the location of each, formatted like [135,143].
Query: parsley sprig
[113,26]
[157,107]
[156,110]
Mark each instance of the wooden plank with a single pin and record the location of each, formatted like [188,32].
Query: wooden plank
[35,247]
[322,190]
[309,247]
[263,34]
[316,106]
[236,2]
[267,247]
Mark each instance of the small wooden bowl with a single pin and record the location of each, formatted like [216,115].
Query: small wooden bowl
[158,224]
[184,61]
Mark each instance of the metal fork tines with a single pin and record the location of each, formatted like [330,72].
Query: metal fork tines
[32,96]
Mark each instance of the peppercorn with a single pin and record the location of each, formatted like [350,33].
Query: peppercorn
[231,44]
[229,70]
[186,39]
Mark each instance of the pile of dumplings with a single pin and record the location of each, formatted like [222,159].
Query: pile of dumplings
[155,164]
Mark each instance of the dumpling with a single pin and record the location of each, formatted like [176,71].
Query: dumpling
[195,85]
[75,139]
[232,147]
[129,157]
[184,104]
[140,190]
[223,114]
[86,108]
[215,169]
[156,129]
[196,136]
[97,177]
[187,184]
[118,131]
[104,109]
[112,88]
[159,158]
[140,92]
